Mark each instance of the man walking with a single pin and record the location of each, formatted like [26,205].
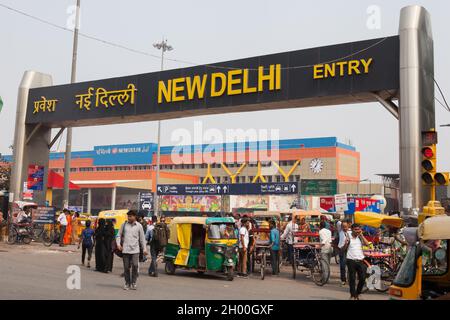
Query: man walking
[158,236]
[325,242]
[130,239]
[243,247]
[288,235]
[274,239]
[355,264]
[344,235]
[62,219]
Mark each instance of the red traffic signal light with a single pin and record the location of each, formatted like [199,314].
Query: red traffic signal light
[427,152]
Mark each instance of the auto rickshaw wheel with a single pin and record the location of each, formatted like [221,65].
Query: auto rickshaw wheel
[230,273]
[170,267]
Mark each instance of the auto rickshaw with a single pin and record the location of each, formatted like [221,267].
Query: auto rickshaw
[202,243]
[424,272]
[118,217]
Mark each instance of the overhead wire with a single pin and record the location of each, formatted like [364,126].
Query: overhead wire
[215,66]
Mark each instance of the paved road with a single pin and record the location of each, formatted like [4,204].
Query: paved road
[37,272]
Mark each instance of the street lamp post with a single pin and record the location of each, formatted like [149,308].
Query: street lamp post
[163,46]
[68,153]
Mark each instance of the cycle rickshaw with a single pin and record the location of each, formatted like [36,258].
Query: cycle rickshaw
[307,248]
[385,258]
[261,233]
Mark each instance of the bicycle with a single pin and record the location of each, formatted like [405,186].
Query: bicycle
[46,236]
[19,233]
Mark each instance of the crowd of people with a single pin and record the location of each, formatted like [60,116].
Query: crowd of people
[136,239]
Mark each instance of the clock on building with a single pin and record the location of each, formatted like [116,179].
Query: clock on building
[316,165]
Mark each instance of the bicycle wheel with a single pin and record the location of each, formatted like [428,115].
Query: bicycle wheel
[320,272]
[12,236]
[263,265]
[27,239]
[48,236]
[294,267]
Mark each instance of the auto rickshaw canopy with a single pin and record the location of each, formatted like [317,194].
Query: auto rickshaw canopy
[307,213]
[435,228]
[375,220]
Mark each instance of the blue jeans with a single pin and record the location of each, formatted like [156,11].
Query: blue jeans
[154,255]
[342,265]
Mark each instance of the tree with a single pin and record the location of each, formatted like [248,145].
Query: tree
[5,176]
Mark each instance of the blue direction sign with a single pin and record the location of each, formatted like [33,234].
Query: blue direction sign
[228,189]
[43,215]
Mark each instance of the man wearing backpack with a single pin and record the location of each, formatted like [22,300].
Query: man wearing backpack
[158,241]
[87,242]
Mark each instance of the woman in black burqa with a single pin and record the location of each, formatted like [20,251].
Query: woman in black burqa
[109,237]
[100,247]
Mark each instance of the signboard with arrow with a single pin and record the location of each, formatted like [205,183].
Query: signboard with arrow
[229,189]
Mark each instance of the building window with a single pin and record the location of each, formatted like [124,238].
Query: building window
[269,178]
[218,179]
[278,178]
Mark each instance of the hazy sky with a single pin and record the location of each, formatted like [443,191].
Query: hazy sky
[208,31]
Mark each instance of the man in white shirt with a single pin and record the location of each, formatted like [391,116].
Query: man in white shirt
[325,242]
[344,233]
[288,236]
[355,264]
[62,220]
[243,247]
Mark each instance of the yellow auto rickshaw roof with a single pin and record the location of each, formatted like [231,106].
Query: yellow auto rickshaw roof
[112,213]
[266,214]
[307,213]
[375,220]
[192,220]
[435,228]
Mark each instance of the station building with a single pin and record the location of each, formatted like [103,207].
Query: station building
[111,176]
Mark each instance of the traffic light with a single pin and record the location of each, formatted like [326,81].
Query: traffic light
[441,178]
[428,164]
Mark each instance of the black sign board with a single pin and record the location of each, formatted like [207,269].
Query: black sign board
[43,215]
[146,201]
[345,73]
[279,188]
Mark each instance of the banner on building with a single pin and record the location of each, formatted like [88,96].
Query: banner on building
[35,177]
[353,204]
[190,203]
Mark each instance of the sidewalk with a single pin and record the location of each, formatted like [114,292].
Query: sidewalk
[38,246]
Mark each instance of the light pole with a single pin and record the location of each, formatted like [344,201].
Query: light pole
[68,153]
[163,46]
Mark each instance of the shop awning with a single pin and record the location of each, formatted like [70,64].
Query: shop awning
[56,181]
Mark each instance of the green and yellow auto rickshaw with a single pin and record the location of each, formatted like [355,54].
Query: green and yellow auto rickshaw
[424,274]
[203,244]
